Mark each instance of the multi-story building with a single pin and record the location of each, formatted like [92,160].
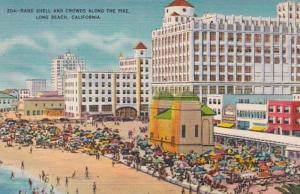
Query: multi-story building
[218,54]
[24,93]
[284,117]
[35,85]
[124,93]
[288,11]
[251,116]
[7,102]
[63,63]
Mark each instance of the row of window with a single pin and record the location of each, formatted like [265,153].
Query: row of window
[279,120]
[103,84]
[282,109]
[214,101]
[117,91]
[109,99]
[251,114]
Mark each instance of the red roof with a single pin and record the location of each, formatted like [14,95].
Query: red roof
[183,3]
[175,14]
[140,45]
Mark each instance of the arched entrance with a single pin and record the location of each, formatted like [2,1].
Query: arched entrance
[126,112]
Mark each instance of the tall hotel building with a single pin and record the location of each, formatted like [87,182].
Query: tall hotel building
[124,93]
[63,63]
[218,54]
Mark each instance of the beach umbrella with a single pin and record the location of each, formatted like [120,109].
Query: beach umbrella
[184,165]
[276,168]
[219,177]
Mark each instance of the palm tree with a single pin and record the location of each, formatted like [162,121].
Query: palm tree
[289,189]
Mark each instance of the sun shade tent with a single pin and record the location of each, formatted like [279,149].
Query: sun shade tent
[226,125]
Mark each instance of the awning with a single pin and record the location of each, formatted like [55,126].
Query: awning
[258,128]
[226,125]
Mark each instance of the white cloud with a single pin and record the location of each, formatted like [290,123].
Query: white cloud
[15,79]
[106,43]
[19,40]
[52,43]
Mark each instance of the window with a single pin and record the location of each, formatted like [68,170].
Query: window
[183,131]
[286,121]
[286,109]
[196,131]
[278,109]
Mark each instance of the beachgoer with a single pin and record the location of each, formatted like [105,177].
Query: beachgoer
[74,174]
[94,187]
[182,190]
[77,191]
[22,165]
[86,172]
[67,182]
[57,180]
[30,183]
[12,175]
[30,150]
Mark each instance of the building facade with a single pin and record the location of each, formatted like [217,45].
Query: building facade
[284,117]
[227,107]
[123,93]
[35,85]
[288,11]
[7,102]
[44,106]
[180,124]
[218,54]
[66,62]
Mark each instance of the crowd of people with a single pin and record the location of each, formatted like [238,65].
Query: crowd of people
[214,169]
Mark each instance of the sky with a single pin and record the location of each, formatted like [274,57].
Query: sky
[28,45]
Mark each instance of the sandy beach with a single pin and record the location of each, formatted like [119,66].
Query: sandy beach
[110,180]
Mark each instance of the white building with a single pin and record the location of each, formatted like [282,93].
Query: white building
[218,54]
[63,63]
[124,93]
[35,85]
[24,93]
[252,116]
[288,11]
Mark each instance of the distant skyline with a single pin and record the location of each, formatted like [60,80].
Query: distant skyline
[27,46]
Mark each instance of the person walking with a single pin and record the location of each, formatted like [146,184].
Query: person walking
[30,183]
[86,172]
[94,187]
[22,165]
[67,182]
[57,180]
[12,175]
[182,190]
